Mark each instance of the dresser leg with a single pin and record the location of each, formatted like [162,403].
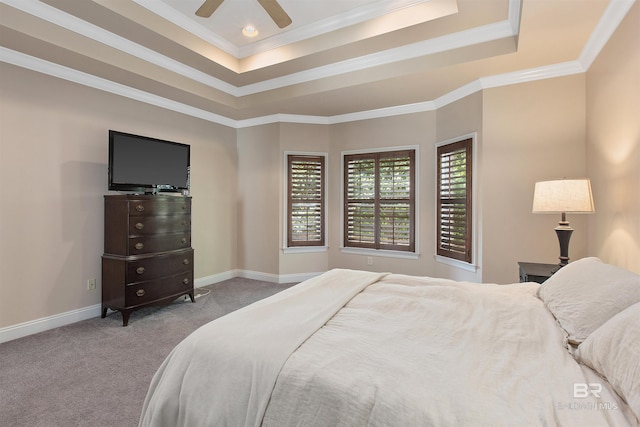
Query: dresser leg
[125,317]
[104,312]
[192,297]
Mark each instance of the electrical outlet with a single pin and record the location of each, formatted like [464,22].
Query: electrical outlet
[91,284]
[369,260]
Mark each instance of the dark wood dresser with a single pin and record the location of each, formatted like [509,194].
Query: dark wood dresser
[148,259]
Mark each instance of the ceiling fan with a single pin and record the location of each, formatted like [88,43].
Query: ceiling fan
[272,7]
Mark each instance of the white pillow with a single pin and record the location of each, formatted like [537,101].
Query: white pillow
[586,293]
[613,350]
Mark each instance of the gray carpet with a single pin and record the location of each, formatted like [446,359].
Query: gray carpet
[95,372]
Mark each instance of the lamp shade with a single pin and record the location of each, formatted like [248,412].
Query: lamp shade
[563,196]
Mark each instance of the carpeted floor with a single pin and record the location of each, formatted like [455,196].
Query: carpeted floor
[96,372]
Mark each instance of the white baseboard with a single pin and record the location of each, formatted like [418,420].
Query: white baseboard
[44,324]
[215,278]
[31,327]
[276,278]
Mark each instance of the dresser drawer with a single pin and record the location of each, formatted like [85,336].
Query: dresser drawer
[139,245]
[161,206]
[156,266]
[141,225]
[153,290]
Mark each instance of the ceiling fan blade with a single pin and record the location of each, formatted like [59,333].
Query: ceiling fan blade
[208,7]
[276,12]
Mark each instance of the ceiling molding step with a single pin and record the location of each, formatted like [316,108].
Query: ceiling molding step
[356,16]
[458,94]
[170,14]
[282,118]
[86,29]
[515,9]
[460,39]
[611,19]
[353,17]
[532,74]
[418,107]
[483,34]
[36,64]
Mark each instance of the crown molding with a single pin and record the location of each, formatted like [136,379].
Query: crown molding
[86,29]
[56,70]
[457,40]
[167,12]
[36,64]
[612,17]
[460,39]
[295,35]
[334,23]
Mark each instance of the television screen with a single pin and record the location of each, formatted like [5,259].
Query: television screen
[143,164]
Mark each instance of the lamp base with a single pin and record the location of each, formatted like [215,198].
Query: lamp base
[563,231]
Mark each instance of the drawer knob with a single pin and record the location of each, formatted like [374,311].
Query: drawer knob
[139,226]
[140,208]
[184,240]
[185,280]
[140,270]
[139,245]
[140,292]
[185,261]
[184,207]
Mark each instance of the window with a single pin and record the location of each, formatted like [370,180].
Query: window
[305,200]
[379,200]
[454,216]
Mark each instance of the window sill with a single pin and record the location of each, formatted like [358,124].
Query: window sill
[380,253]
[305,249]
[456,263]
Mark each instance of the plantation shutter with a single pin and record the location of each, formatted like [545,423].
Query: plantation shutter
[306,200]
[379,200]
[454,200]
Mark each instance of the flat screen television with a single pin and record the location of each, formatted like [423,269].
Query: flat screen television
[141,164]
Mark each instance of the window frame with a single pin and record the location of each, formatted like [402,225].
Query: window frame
[304,246]
[376,248]
[466,262]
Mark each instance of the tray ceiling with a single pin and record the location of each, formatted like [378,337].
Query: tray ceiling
[338,58]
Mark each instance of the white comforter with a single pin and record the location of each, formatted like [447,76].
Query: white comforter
[405,351]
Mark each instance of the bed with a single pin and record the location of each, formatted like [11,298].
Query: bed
[354,348]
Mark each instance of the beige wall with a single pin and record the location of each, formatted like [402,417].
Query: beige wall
[532,132]
[53,169]
[613,146]
[258,198]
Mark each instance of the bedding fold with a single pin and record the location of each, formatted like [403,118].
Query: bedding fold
[410,351]
[241,354]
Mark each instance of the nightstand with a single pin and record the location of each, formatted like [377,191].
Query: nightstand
[536,272]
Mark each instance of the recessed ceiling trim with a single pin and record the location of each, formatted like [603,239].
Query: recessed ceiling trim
[70,74]
[356,16]
[474,36]
[456,40]
[616,10]
[347,19]
[165,11]
[613,15]
[86,29]
[533,74]
[36,64]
